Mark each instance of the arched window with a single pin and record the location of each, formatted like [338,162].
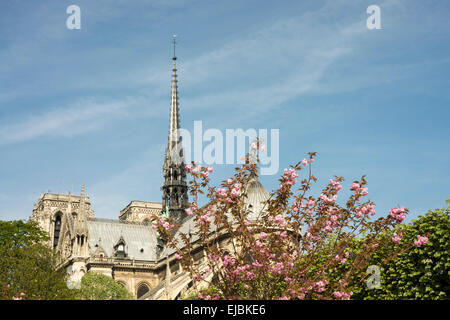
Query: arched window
[56,231]
[142,289]
[175,193]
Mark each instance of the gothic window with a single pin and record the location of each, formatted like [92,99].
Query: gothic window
[142,289]
[175,193]
[57,230]
[175,175]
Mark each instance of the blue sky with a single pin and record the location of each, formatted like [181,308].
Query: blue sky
[92,105]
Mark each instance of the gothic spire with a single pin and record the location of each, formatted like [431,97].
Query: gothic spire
[69,206]
[174,117]
[81,221]
[82,200]
[174,197]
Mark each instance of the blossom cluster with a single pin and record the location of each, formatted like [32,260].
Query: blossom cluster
[331,199]
[420,240]
[359,190]
[398,214]
[278,219]
[205,171]
[365,209]
[163,223]
[296,205]
[397,237]
[289,177]
[20,297]
[342,295]
[257,146]
[337,186]
[205,218]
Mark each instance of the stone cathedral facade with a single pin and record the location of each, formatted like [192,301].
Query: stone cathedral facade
[128,249]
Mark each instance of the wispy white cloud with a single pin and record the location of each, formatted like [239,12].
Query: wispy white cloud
[80,117]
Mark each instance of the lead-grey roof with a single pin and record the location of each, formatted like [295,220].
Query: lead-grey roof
[139,236]
[136,237]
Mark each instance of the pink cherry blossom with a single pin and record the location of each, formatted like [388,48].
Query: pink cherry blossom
[397,237]
[263,235]
[355,186]
[221,192]
[398,213]
[420,241]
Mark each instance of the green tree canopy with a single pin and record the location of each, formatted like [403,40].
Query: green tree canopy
[21,234]
[27,268]
[95,286]
[421,272]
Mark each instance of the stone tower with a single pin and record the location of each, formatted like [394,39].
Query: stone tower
[174,190]
[51,209]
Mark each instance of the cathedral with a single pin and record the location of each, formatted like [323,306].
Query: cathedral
[128,249]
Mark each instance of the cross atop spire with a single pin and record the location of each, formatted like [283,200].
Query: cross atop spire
[174,45]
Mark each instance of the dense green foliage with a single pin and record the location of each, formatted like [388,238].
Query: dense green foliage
[420,272]
[27,269]
[95,286]
[27,264]
[20,234]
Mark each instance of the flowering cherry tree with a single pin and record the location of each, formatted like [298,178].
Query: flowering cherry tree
[298,247]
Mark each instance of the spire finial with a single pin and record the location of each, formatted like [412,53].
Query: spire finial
[174,46]
[82,190]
